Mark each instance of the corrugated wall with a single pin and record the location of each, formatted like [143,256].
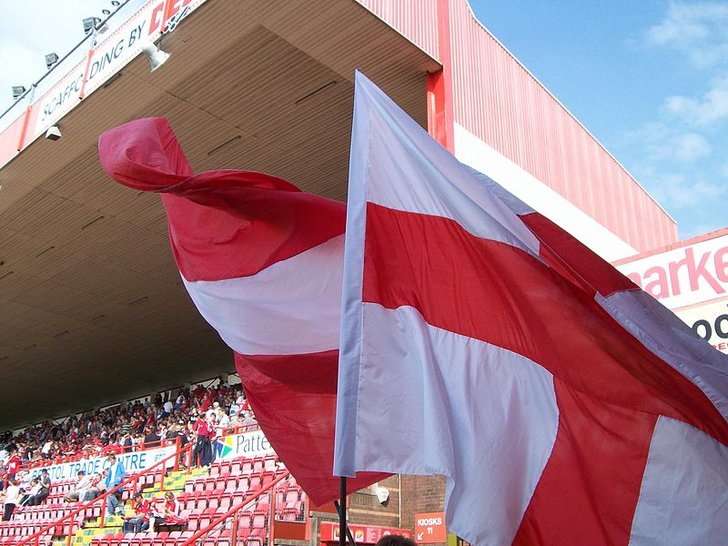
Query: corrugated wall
[500,102]
[415,19]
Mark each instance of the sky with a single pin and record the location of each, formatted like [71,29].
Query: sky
[648,78]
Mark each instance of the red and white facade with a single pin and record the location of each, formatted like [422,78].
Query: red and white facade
[498,118]
[483,105]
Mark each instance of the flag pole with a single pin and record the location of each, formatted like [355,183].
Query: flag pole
[341,508]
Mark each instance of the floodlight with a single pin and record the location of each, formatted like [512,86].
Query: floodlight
[156,56]
[53,133]
[18,91]
[90,23]
[51,59]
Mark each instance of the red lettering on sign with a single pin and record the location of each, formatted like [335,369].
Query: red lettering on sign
[708,268]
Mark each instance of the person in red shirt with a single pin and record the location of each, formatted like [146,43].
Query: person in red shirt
[202,453]
[13,464]
[170,514]
[139,521]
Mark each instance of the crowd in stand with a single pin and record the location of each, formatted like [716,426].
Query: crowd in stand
[198,414]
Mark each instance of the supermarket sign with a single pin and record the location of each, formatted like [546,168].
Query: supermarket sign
[691,280]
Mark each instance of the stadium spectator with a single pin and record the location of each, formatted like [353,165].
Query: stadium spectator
[45,489]
[28,494]
[141,512]
[202,454]
[83,483]
[12,497]
[95,489]
[100,432]
[13,464]
[170,512]
[152,438]
[45,451]
[114,477]
[395,540]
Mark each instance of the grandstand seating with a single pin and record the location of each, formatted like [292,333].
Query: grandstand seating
[204,495]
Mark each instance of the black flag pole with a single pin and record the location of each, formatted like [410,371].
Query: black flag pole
[344,530]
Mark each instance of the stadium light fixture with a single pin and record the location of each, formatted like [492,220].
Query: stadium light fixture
[156,56]
[89,24]
[53,133]
[18,91]
[51,59]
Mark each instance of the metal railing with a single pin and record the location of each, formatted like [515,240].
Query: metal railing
[235,513]
[35,538]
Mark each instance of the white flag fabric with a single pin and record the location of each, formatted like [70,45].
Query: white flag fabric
[483,343]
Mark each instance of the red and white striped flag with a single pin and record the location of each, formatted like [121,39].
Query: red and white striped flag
[482,342]
[262,262]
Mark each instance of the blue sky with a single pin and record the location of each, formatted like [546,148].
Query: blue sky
[649,78]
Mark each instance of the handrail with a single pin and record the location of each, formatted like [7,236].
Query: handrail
[214,523]
[79,456]
[103,497]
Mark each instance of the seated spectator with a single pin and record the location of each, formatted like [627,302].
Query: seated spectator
[142,511]
[12,498]
[30,493]
[45,489]
[170,512]
[95,489]
[83,483]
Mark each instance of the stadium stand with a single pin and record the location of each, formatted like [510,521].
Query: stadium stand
[234,500]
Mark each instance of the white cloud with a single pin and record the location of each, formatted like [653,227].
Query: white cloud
[710,108]
[662,143]
[698,30]
[689,147]
[681,190]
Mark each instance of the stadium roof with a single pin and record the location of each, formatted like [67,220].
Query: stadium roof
[93,310]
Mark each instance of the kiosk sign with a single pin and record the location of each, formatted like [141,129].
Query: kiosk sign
[430,528]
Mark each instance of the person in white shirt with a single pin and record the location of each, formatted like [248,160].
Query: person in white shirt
[45,451]
[214,411]
[12,497]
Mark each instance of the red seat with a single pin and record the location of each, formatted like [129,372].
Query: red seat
[258,465]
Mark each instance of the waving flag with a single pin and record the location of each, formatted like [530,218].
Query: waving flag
[262,262]
[483,343]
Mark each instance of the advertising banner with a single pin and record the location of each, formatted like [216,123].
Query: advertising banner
[105,58]
[690,279]
[247,444]
[132,462]
[363,534]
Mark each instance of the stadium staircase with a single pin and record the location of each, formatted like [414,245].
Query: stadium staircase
[234,502]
